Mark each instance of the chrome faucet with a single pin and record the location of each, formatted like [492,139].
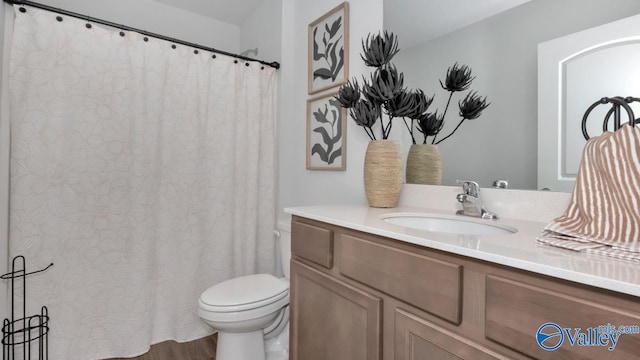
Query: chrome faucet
[501,184]
[470,200]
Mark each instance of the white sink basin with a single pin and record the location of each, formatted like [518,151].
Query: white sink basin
[447,224]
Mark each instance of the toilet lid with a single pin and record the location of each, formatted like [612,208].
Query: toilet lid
[244,291]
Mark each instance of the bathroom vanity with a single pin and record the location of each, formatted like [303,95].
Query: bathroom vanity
[363,288]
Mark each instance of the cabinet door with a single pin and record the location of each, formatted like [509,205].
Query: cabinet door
[332,320]
[419,339]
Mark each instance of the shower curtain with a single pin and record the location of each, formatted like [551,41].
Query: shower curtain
[144,172]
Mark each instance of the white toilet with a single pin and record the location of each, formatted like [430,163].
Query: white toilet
[251,313]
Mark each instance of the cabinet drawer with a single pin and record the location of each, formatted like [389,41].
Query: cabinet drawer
[515,311]
[431,285]
[312,243]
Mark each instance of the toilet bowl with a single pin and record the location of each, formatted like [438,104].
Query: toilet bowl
[242,309]
[251,313]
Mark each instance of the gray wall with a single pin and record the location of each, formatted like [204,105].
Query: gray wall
[502,51]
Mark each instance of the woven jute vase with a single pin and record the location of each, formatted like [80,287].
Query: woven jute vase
[383,173]
[424,165]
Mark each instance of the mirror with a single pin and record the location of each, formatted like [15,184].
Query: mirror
[502,52]
[589,65]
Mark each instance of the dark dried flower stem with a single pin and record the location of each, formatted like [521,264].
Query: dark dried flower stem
[448,102]
[370,133]
[410,128]
[446,137]
[433,141]
[386,130]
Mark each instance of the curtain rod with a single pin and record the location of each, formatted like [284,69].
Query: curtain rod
[274,64]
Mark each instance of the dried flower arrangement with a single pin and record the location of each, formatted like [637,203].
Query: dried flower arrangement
[384,94]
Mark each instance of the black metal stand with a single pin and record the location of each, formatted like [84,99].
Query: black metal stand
[22,330]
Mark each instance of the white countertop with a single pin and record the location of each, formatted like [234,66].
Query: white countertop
[519,250]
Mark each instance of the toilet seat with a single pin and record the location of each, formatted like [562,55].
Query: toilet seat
[244,293]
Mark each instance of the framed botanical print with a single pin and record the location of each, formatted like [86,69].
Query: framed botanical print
[326,133]
[329,49]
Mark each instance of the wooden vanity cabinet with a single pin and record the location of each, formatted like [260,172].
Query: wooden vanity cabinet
[356,296]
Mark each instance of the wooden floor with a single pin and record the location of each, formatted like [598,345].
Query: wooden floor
[202,349]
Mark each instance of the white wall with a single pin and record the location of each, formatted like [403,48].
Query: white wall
[158,18]
[296,185]
[263,30]
[502,51]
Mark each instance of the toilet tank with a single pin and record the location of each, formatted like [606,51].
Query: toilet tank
[284,231]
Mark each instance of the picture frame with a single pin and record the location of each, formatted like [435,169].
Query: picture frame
[326,133]
[329,49]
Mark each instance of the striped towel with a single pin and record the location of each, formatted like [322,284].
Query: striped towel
[604,211]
